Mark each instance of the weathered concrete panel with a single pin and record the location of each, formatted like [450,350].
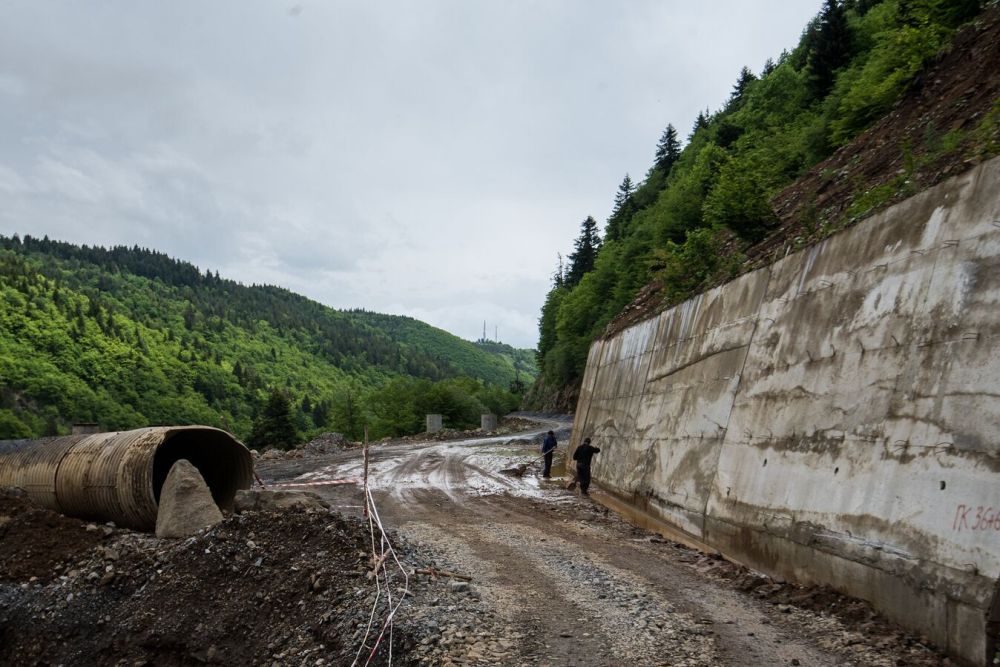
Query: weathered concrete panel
[661,397]
[434,423]
[833,418]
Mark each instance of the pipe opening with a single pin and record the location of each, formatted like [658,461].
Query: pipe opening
[223,462]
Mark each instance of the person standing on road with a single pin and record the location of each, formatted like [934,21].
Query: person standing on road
[583,454]
[548,448]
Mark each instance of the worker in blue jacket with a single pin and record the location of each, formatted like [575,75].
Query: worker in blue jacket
[548,448]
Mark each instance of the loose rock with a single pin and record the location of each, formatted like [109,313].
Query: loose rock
[266,500]
[186,503]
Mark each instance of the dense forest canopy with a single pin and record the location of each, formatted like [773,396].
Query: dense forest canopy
[128,337]
[701,206]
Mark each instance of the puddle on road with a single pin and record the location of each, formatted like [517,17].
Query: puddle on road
[457,468]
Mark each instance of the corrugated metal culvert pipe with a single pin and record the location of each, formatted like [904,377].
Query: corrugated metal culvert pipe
[118,476]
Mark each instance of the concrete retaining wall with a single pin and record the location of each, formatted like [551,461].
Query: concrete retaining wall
[833,418]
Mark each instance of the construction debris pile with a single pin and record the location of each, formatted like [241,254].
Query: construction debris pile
[327,443]
[269,586]
[324,443]
[331,443]
[508,425]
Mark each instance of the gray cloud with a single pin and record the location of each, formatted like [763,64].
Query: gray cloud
[423,158]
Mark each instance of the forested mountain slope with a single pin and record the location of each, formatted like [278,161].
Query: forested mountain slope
[782,164]
[495,363]
[127,337]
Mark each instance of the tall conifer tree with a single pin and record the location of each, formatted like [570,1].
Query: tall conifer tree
[831,47]
[273,426]
[585,248]
[700,123]
[623,210]
[668,150]
[743,82]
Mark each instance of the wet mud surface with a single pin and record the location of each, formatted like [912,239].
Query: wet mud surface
[576,584]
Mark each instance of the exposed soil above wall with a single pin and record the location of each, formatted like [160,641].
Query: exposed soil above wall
[941,127]
[947,122]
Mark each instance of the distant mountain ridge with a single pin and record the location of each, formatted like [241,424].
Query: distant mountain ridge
[129,336]
[501,364]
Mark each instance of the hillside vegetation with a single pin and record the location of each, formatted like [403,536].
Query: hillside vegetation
[705,209]
[127,337]
[501,364]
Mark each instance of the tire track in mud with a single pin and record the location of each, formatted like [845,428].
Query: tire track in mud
[739,620]
[527,598]
[745,632]
[635,625]
[569,579]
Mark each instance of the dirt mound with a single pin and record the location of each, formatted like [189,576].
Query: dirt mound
[324,443]
[327,443]
[260,587]
[289,587]
[35,542]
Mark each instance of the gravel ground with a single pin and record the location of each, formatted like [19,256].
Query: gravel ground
[553,580]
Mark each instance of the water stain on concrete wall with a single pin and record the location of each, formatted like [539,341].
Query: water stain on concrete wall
[833,418]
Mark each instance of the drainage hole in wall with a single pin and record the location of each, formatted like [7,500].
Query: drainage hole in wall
[942,485]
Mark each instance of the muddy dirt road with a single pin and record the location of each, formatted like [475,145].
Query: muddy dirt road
[571,583]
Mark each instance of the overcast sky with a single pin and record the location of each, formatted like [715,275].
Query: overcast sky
[426,158]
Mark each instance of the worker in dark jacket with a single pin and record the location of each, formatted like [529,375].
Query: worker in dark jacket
[582,456]
[548,448]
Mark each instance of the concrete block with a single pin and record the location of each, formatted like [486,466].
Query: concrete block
[434,423]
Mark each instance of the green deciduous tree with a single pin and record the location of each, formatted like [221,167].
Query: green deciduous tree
[11,426]
[346,413]
[741,200]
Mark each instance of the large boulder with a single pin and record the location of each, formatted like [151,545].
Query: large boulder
[267,500]
[186,504]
